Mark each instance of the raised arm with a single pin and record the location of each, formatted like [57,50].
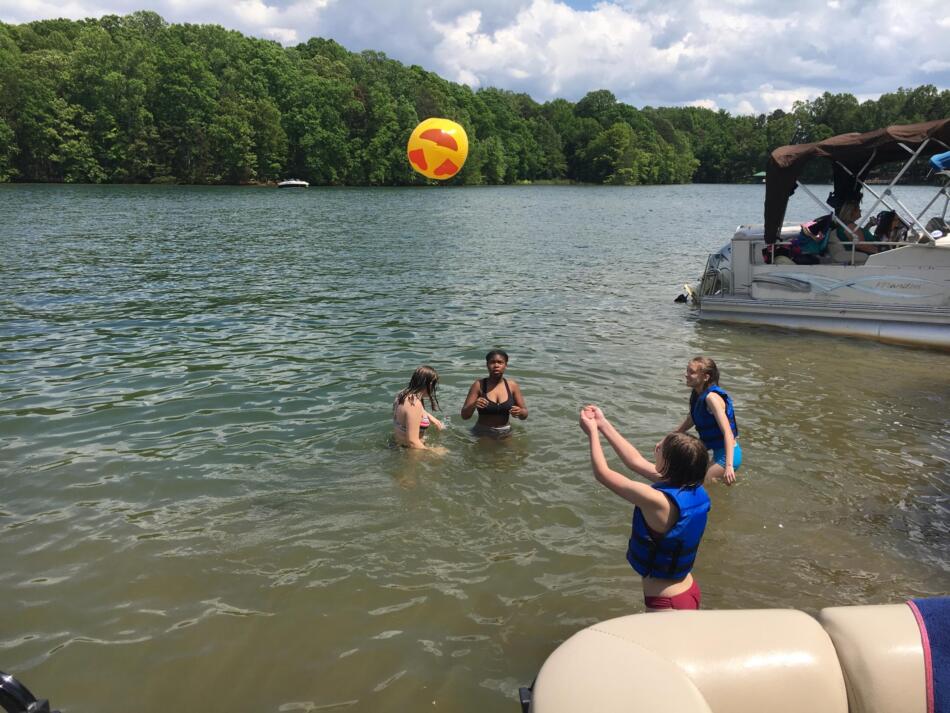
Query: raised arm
[520,409]
[631,457]
[654,504]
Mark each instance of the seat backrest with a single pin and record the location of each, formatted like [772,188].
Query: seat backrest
[881,655]
[723,661]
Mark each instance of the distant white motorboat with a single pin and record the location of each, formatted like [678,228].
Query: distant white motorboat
[293,183]
[899,294]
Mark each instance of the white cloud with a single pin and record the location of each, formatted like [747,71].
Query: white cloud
[284,35]
[933,66]
[745,56]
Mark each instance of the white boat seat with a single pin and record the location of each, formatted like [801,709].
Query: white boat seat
[881,656]
[849,660]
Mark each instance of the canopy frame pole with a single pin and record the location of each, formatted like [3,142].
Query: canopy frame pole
[900,174]
[863,168]
[881,199]
[945,192]
[912,216]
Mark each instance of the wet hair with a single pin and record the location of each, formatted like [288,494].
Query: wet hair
[685,460]
[709,369]
[496,352]
[424,382]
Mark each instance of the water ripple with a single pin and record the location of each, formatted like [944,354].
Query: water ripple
[194,427]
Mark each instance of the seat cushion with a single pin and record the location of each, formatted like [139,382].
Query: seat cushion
[749,661]
[881,656]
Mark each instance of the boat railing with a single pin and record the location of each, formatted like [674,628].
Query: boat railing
[716,280]
[851,246]
[888,197]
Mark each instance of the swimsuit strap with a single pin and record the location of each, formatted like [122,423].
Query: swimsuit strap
[484,383]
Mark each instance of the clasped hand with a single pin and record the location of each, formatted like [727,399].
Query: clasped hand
[591,418]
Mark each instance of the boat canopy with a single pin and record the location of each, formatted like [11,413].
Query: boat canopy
[852,156]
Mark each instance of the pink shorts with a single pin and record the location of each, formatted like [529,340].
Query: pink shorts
[690,599]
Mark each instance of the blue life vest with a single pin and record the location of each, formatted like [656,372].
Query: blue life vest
[672,555]
[705,420]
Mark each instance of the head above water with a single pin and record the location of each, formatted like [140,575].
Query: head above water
[682,460]
[707,367]
[496,353]
[423,383]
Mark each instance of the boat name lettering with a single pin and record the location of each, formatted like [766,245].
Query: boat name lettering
[896,285]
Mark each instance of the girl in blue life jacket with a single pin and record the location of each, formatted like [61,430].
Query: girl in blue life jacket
[669,517]
[711,412]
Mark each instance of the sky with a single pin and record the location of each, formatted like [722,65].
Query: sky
[744,56]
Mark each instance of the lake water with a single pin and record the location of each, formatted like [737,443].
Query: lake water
[200,507]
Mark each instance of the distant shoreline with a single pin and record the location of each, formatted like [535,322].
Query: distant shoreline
[432,184]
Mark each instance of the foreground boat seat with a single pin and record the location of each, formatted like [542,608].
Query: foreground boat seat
[869,660]
[881,657]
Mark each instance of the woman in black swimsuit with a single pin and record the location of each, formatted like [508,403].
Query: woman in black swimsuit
[495,397]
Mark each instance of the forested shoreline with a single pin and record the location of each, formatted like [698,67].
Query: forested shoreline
[134,99]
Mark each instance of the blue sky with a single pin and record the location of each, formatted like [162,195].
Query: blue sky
[744,56]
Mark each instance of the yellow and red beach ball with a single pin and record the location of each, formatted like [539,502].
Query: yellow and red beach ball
[438,148]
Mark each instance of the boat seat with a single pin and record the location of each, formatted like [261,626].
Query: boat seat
[881,657]
[864,659]
[838,254]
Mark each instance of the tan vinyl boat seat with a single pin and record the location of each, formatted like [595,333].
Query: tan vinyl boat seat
[841,255]
[862,659]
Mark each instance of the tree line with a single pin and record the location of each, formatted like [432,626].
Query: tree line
[135,99]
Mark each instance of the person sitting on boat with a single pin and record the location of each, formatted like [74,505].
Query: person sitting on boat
[410,419]
[806,247]
[890,229]
[669,516]
[712,413]
[495,397]
[849,213]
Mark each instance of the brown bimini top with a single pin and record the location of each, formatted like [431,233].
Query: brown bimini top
[855,151]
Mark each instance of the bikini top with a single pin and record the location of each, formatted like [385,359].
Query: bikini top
[423,423]
[497,407]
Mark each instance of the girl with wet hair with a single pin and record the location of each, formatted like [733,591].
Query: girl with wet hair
[496,399]
[669,516]
[712,413]
[410,419]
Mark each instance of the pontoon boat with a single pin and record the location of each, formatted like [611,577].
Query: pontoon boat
[901,293]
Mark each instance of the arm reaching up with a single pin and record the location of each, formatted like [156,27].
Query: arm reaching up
[631,457]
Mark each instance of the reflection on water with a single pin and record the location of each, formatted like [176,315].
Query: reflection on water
[195,424]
